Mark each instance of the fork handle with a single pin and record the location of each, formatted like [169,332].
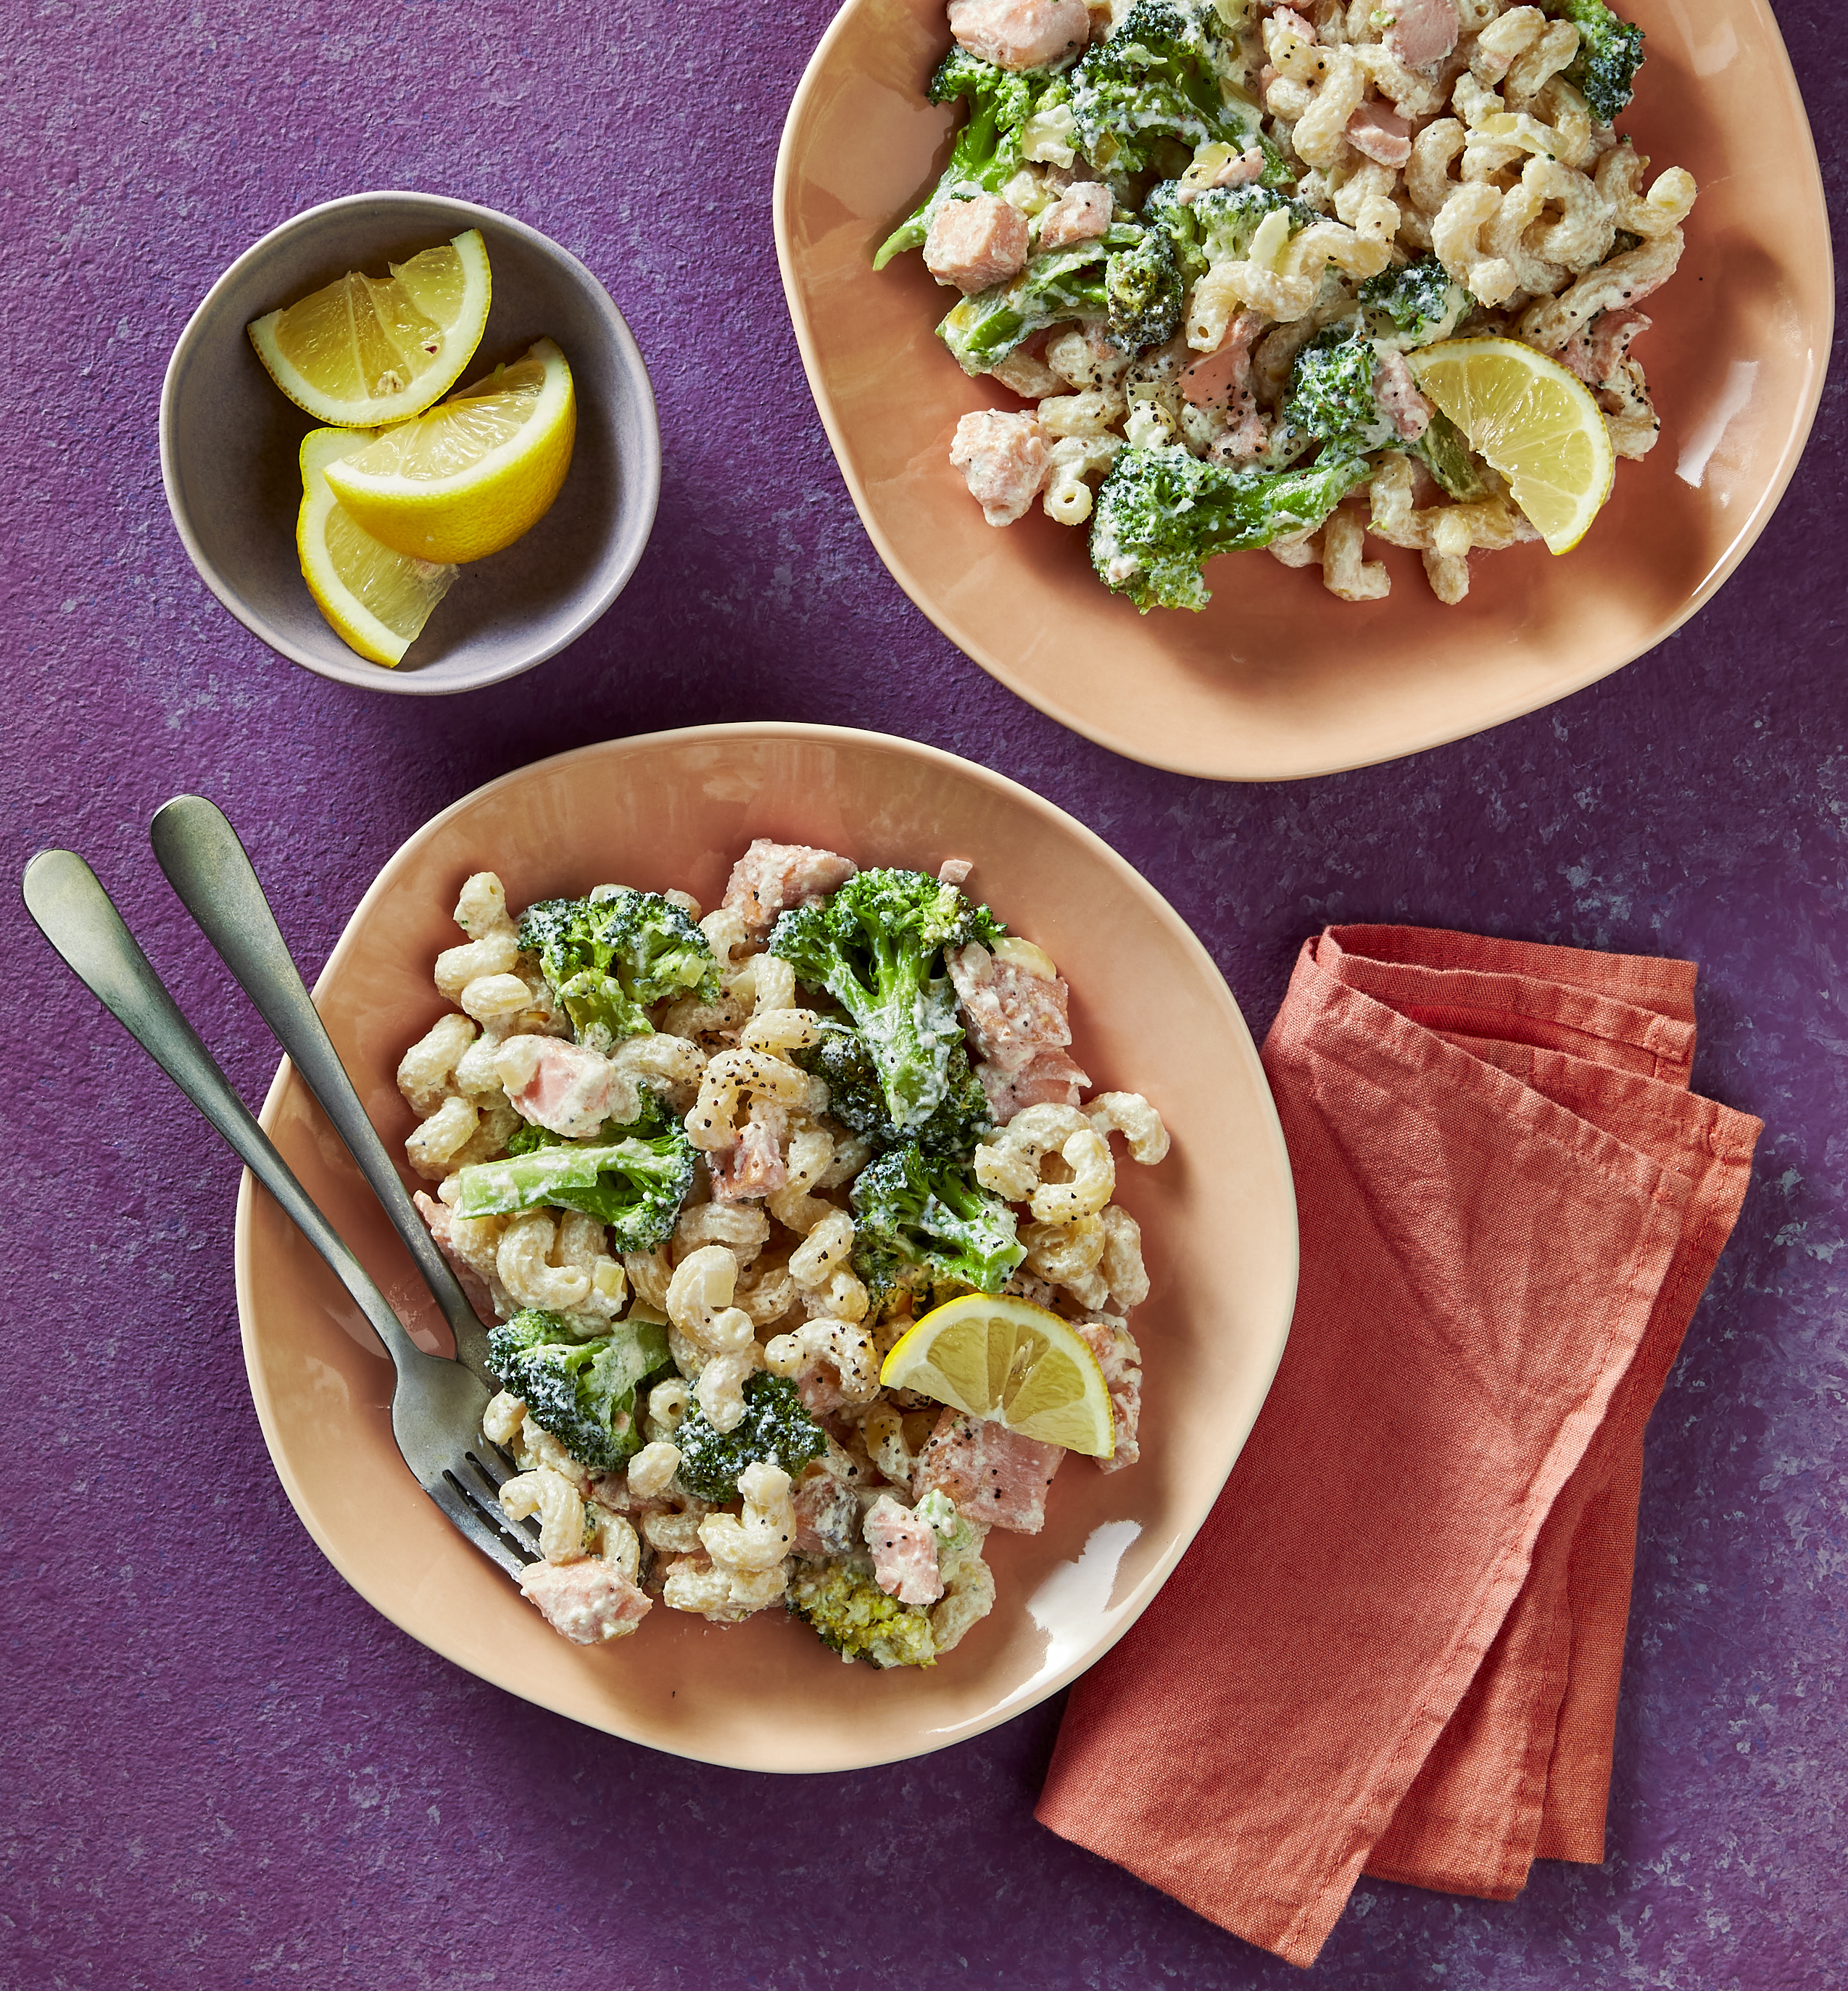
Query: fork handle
[75,913]
[212,873]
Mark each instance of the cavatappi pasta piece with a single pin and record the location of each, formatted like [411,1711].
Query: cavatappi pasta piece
[1344,572]
[526,1263]
[757,1540]
[559,1505]
[425,1070]
[434,1143]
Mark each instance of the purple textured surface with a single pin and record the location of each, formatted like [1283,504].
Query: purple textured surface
[221,1768]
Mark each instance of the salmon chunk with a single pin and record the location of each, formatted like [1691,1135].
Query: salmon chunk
[1109,1339]
[1079,213]
[1222,380]
[1002,458]
[1399,398]
[1424,32]
[1051,1077]
[1020,34]
[974,243]
[770,878]
[996,1478]
[904,1553]
[1017,1029]
[1378,131]
[590,1601]
[753,1165]
[827,1517]
[557,1085]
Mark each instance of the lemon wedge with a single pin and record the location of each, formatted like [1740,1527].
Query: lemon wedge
[365,350]
[377,600]
[472,474]
[1534,421]
[1012,1362]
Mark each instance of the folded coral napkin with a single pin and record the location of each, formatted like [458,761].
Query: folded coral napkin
[1394,1647]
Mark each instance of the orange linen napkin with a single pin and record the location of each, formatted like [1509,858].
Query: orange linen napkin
[1395,1646]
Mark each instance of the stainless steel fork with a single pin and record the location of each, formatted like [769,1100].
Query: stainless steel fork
[436,1405]
[209,868]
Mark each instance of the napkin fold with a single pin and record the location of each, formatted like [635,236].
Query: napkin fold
[1395,1646]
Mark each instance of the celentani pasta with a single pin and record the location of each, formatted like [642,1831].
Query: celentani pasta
[1223,254]
[798,1235]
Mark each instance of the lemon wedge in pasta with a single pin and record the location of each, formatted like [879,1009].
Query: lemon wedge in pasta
[1531,419]
[475,472]
[376,600]
[364,350]
[1012,1362]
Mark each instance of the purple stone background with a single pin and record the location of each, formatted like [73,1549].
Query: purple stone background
[223,1768]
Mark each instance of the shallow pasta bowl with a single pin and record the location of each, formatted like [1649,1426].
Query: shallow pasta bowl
[1149,1012]
[1276,678]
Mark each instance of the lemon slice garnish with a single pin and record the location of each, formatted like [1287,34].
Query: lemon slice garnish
[376,600]
[1010,1362]
[472,474]
[365,350]
[1532,421]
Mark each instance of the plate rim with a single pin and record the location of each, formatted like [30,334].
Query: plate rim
[1215,767]
[1125,1616]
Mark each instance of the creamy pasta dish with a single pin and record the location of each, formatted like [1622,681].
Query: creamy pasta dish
[798,1234]
[1208,249]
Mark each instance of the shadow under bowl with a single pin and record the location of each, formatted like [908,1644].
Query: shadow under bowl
[229,440]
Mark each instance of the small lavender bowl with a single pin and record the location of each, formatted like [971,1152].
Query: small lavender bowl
[229,439]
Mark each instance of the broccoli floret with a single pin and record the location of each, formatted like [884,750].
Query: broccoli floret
[846,1610]
[1143,294]
[987,151]
[1415,304]
[1126,277]
[857,1100]
[1161,512]
[876,946]
[635,1186]
[581,1389]
[946,1521]
[1444,451]
[1610,53]
[1217,226]
[930,1211]
[1155,78]
[612,955]
[1332,393]
[775,1428]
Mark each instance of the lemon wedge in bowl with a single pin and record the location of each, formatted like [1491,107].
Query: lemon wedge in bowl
[1530,418]
[1012,1362]
[364,350]
[475,472]
[376,600]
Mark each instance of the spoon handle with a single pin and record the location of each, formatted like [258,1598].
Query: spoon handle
[209,869]
[77,917]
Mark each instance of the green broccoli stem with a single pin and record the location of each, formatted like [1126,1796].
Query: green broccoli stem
[1161,513]
[1071,283]
[981,162]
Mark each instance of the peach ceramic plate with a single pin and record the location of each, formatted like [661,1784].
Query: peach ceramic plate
[1276,678]
[1149,1011]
